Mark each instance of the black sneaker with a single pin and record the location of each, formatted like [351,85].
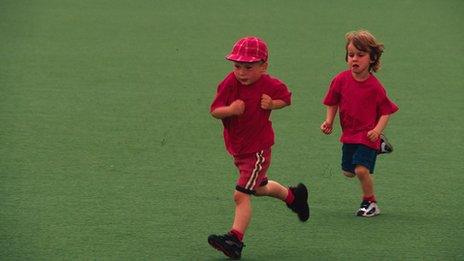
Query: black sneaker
[385,146]
[228,244]
[300,203]
[368,209]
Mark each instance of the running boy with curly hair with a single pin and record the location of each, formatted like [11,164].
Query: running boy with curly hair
[364,109]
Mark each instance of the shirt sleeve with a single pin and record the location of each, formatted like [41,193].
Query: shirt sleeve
[282,92]
[333,94]
[220,99]
[385,105]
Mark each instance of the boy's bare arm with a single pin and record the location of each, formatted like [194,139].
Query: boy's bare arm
[267,103]
[237,107]
[374,134]
[327,125]
[278,104]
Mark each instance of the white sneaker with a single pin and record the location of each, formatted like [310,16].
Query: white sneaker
[368,209]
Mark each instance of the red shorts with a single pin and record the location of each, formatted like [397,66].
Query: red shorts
[252,168]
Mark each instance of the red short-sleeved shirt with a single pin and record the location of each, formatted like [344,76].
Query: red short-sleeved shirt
[360,106]
[252,131]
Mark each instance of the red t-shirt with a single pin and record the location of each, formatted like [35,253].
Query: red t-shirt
[360,106]
[252,131]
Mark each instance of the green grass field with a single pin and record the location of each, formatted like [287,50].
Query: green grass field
[108,151]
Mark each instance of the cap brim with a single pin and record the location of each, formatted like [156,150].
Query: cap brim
[243,59]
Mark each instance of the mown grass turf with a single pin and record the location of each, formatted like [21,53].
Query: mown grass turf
[108,151]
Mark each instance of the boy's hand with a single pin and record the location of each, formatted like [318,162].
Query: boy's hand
[326,127]
[373,135]
[266,102]
[237,107]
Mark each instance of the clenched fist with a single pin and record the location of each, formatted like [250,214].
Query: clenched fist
[326,127]
[266,102]
[237,107]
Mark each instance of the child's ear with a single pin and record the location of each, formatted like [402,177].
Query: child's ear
[264,66]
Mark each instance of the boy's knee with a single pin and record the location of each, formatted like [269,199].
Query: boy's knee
[361,171]
[240,197]
[348,174]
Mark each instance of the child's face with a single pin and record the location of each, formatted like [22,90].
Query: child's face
[248,73]
[358,60]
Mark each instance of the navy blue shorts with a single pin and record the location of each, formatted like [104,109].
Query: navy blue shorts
[358,154]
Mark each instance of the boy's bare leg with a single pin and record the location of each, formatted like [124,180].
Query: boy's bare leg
[242,211]
[272,189]
[368,206]
[243,203]
[365,178]
[296,197]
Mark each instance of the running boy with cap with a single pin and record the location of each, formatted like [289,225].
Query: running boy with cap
[244,101]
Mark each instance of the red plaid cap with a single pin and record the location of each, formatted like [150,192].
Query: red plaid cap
[249,49]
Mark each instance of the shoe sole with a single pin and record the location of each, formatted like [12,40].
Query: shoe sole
[368,216]
[362,214]
[305,195]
